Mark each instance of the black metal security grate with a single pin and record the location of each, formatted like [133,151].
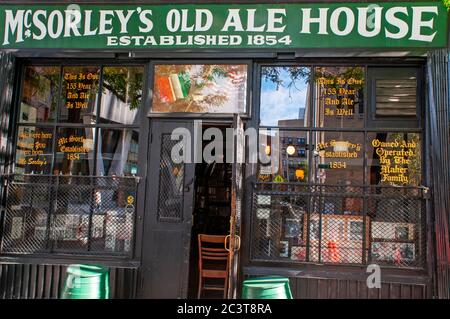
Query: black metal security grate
[72,214]
[171,183]
[338,224]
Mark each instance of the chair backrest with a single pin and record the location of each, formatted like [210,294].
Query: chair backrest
[212,249]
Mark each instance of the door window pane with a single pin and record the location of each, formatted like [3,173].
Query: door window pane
[285,96]
[121,95]
[117,152]
[79,94]
[339,97]
[75,151]
[34,152]
[39,94]
[171,183]
[394,159]
[338,158]
[200,88]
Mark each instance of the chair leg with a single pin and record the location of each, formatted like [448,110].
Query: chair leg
[200,286]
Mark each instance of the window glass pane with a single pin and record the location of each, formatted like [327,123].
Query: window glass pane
[279,227]
[283,156]
[70,221]
[397,226]
[396,212]
[396,97]
[338,158]
[75,151]
[394,159]
[285,96]
[117,152]
[39,94]
[34,152]
[339,97]
[121,95]
[113,218]
[26,214]
[79,94]
[201,88]
[341,237]
[171,183]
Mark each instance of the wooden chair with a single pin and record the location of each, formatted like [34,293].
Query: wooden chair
[212,263]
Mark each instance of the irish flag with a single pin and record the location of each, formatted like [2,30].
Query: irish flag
[173,87]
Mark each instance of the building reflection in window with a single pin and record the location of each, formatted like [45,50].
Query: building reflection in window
[121,95]
[117,152]
[286,155]
[39,94]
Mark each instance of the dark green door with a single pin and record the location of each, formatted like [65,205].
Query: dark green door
[168,216]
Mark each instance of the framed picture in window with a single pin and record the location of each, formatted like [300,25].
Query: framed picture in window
[355,231]
[401,232]
[284,248]
[314,229]
[393,252]
[298,253]
[292,228]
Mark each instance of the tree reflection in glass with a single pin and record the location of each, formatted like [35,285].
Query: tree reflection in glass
[200,88]
[121,94]
[284,96]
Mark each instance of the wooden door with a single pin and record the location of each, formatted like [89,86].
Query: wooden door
[168,219]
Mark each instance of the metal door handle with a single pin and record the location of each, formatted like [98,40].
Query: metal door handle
[238,245]
[225,243]
[237,241]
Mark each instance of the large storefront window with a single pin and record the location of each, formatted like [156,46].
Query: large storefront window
[83,148]
[331,189]
[73,188]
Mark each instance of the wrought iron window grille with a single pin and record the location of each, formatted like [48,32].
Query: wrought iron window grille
[80,215]
[336,224]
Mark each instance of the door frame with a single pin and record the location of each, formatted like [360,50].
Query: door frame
[149,220]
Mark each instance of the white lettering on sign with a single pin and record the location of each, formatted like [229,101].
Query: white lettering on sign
[418,23]
[321,20]
[363,14]
[398,23]
[392,18]
[133,25]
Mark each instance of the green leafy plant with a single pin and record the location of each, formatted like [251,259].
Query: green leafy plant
[446,3]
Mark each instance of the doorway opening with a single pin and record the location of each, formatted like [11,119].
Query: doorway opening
[211,214]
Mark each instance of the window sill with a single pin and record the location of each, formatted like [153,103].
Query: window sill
[65,259]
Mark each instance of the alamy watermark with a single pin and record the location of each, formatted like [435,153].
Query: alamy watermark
[224,148]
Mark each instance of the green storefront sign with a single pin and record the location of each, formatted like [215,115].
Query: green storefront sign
[320,25]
